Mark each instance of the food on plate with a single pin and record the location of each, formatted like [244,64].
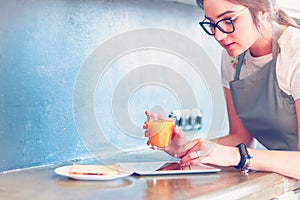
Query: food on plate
[94,169]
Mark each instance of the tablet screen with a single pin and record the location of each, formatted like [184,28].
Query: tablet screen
[158,168]
[178,169]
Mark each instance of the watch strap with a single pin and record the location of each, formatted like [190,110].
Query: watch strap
[244,155]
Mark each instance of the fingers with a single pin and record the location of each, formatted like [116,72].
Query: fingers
[192,158]
[154,147]
[203,152]
[176,129]
[153,115]
[193,153]
[149,114]
[145,125]
[147,134]
[187,147]
[194,145]
[191,146]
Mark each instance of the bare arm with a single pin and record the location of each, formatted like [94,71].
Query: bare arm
[282,162]
[237,132]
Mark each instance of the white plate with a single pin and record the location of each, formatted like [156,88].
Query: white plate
[64,171]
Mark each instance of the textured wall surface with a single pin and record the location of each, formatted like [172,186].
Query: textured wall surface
[44,49]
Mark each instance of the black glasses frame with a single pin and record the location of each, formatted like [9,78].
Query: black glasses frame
[216,25]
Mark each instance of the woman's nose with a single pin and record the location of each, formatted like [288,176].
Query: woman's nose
[219,35]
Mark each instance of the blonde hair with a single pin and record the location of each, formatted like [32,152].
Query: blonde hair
[270,6]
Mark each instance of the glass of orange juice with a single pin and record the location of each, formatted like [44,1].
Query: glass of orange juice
[160,131]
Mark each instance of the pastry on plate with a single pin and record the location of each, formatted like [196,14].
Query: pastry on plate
[94,169]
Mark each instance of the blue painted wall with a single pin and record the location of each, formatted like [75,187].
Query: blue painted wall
[44,46]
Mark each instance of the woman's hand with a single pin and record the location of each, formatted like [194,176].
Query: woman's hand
[208,152]
[177,139]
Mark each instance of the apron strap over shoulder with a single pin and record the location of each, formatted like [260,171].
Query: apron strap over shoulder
[239,66]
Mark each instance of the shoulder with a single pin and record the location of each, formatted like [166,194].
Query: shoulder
[288,69]
[290,39]
[289,43]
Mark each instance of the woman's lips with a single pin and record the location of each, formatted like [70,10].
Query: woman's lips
[228,45]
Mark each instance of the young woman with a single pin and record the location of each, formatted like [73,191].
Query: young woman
[260,70]
[261,78]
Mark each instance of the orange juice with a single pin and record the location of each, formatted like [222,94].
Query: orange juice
[160,131]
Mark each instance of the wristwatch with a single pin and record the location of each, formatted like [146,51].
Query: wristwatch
[244,156]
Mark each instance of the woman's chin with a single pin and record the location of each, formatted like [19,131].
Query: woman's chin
[233,53]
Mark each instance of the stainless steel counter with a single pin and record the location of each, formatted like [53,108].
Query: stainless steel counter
[43,183]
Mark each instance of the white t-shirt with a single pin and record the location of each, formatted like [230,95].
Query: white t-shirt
[287,68]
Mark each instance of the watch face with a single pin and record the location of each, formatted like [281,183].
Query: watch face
[243,149]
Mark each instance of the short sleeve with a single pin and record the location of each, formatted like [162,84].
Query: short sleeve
[295,78]
[288,72]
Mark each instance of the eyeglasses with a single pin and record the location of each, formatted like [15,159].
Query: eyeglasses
[225,25]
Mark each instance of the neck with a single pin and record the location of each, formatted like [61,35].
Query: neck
[262,46]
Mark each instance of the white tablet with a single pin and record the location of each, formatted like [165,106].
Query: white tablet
[165,168]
